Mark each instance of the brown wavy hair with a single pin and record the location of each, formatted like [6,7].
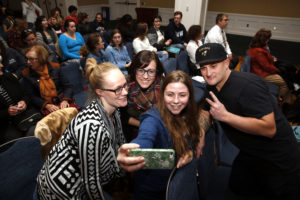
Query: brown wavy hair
[142,60]
[188,120]
[261,38]
[141,31]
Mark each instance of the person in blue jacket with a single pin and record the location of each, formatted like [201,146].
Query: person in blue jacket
[116,52]
[172,124]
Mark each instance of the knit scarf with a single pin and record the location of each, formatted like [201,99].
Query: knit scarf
[47,86]
[143,100]
[114,128]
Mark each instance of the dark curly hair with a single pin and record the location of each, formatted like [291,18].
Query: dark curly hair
[261,38]
[194,32]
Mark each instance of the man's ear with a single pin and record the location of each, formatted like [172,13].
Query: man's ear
[98,92]
[227,62]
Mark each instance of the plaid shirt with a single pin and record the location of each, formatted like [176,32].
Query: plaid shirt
[141,101]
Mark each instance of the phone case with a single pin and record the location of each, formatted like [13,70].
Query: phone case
[156,158]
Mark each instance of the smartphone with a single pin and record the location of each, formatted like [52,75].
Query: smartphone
[156,158]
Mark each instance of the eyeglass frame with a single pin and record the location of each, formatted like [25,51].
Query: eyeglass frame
[119,89]
[30,59]
[144,71]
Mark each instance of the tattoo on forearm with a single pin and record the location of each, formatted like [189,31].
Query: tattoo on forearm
[204,123]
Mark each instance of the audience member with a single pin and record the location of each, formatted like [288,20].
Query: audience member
[262,63]
[45,33]
[156,35]
[195,36]
[47,86]
[98,25]
[56,12]
[52,23]
[116,52]
[12,60]
[126,27]
[13,108]
[83,25]
[71,41]
[176,31]
[145,78]
[29,40]
[73,14]
[217,34]
[268,162]
[90,142]
[173,124]
[30,10]
[14,39]
[8,21]
[94,48]
[141,42]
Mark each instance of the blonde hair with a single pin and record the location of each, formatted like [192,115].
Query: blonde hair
[95,74]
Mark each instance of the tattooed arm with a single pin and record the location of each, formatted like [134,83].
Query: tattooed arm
[204,124]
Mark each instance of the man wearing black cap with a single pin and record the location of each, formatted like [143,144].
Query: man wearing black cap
[269,158]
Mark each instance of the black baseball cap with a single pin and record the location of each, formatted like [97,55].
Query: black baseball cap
[210,53]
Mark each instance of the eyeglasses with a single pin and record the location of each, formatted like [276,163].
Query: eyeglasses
[150,72]
[31,59]
[119,90]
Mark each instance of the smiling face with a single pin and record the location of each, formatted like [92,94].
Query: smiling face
[216,74]
[44,23]
[156,23]
[114,79]
[145,80]
[176,97]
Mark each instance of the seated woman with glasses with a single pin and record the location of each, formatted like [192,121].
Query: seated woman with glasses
[47,86]
[145,78]
[116,51]
[85,158]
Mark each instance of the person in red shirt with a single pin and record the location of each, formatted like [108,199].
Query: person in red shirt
[262,63]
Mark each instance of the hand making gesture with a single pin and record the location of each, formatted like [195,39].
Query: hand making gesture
[217,109]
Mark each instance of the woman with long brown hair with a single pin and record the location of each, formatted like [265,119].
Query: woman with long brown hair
[173,124]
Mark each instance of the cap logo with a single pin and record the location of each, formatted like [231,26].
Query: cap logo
[204,53]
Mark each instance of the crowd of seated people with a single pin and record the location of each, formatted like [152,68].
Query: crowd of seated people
[157,110]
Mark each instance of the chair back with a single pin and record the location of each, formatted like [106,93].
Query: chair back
[20,165]
[246,66]
[50,129]
[169,65]
[182,62]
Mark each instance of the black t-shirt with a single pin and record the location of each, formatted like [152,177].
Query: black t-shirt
[247,95]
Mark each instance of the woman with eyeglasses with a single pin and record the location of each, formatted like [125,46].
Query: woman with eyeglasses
[85,158]
[47,86]
[116,52]
[145,78]
[172,124]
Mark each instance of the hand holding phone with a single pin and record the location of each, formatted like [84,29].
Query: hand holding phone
[156,158]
